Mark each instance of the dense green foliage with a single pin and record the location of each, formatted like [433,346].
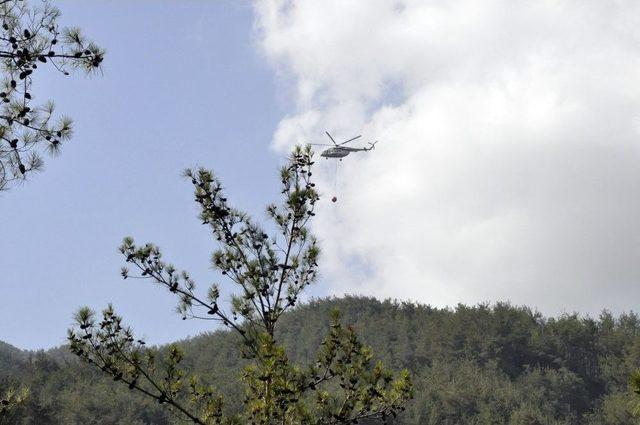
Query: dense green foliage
[471,365]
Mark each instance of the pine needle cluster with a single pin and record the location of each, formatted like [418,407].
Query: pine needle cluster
[31,39]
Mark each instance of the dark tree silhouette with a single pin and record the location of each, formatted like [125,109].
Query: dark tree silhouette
[31,39]
[342,386]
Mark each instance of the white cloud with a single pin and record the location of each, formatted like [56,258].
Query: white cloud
[509,161]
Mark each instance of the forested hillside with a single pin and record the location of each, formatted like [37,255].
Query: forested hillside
[473,365]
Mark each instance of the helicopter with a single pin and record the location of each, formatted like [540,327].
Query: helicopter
[338,150]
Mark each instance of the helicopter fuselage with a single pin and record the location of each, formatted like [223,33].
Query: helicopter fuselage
[334,153]
[340,151]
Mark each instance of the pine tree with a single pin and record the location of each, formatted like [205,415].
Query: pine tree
[634,387]
[342,386]
[10,401]
[31,39]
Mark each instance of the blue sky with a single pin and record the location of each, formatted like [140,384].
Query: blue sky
[507,168]
[184,84]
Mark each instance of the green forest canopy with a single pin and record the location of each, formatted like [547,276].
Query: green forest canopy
[485,364]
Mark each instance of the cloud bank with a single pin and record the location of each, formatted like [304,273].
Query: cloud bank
[508,166]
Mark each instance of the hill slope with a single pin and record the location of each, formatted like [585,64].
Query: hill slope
[10,356]
[472,365]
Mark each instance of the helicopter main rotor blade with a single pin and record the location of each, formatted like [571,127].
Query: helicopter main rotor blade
[334,142]
[319,144]
[350,140]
